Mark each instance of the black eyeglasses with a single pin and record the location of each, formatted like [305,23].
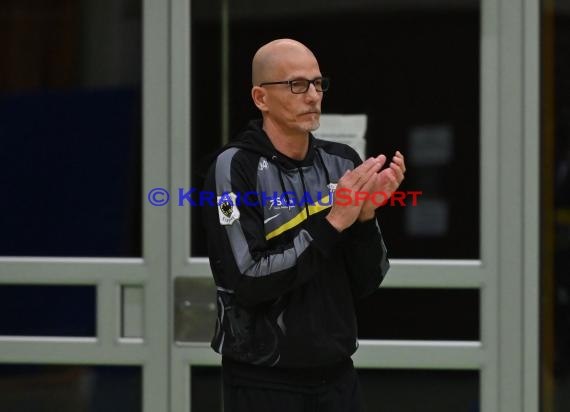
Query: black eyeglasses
[299,86]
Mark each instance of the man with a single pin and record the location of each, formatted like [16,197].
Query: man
[289,263]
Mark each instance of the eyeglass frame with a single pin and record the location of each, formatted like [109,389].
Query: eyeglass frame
[309,82]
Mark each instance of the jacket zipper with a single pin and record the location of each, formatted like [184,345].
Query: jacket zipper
[304,190]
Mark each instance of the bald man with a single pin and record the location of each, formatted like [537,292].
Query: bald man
[289,260]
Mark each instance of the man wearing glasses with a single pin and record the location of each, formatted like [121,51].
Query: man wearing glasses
[289,266]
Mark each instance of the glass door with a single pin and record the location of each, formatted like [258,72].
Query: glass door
[430,80]
[105,107]
[83,258]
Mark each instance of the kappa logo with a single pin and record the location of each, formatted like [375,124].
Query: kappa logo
[332,186]
[227,209]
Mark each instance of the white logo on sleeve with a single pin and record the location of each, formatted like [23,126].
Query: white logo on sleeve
[227,208]
[262,164]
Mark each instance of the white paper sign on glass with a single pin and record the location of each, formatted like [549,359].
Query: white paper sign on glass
[344,128]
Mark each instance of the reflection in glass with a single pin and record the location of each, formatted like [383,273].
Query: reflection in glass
[420,314]
[54,388]
[403,390]
[555,203]
[389,313]
[406,390]
[206,389]
[413,71]
[41,310]
[70,115]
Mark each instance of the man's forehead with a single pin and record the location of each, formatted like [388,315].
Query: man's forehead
[302,74]
[294,64]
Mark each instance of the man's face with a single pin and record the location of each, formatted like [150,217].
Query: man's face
[294,112]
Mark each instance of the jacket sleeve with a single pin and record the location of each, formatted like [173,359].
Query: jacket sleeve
[241,260]
[366,257]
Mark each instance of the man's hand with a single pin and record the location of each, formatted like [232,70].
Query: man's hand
[361,179]
[387,181]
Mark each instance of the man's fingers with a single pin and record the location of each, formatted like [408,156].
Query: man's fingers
[382,159]
[347,179]
[363,177]
[399,160]
[367,170]
[370,185]
[360,175]
[398,171]
[368,166]
[388,180]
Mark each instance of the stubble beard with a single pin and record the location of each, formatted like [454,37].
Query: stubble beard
[314,126]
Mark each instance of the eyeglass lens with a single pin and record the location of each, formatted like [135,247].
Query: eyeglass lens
[302,85]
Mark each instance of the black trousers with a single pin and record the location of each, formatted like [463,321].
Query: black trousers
[343,394]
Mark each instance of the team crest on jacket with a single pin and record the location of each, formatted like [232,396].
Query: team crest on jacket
[227,208]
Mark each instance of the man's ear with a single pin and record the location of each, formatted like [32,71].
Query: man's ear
[258,94]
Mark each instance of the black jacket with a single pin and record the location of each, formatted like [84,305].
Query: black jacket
[286,279]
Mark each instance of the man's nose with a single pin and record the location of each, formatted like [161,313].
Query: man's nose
[312,92]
